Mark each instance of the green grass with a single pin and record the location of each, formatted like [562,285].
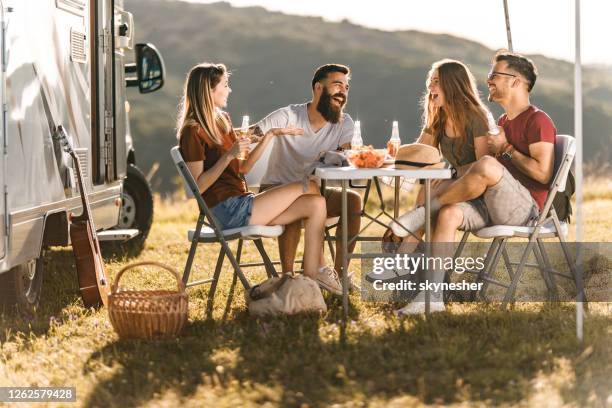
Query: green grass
[473,354]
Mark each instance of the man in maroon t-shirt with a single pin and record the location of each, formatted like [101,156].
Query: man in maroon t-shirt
[508,187]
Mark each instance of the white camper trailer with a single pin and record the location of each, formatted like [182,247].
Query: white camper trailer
[63,63]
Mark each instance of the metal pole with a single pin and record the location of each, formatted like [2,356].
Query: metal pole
[396,200]
[508,32]
[427,238]
[345,281]
[578,134]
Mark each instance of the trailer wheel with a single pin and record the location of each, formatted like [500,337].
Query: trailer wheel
[136,212]
[20,287]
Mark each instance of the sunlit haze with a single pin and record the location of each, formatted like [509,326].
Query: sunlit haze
[538,26]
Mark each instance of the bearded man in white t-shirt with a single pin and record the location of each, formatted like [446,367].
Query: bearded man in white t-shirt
[326,128]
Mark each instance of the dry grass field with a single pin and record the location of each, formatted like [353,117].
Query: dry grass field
[472,355]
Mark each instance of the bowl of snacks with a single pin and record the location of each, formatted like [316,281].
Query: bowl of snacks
[366,157]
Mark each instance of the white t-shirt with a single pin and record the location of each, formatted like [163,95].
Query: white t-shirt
[291,155]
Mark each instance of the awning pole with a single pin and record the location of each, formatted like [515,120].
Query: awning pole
[578,134]
[508,32]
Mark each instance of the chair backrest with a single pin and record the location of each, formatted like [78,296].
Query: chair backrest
[191,187]
[565,150]
[255,175]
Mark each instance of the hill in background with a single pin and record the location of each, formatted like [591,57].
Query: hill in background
[273,55]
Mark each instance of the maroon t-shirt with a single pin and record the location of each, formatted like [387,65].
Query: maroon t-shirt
[531,126]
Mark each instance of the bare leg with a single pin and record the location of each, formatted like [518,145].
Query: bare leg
[449,220]
[409,243]
[269,204]
[287,245]
[310,208]
[275,201]
[484,173]
[334,202]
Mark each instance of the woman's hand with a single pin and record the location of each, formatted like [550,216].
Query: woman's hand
[247,165]
[240,145]
[286,131]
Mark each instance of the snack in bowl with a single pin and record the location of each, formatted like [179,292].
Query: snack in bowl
[366,157]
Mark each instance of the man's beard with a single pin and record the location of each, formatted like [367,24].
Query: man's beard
[495,96]
[330,113]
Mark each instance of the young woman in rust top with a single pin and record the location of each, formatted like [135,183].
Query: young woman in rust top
[210,149]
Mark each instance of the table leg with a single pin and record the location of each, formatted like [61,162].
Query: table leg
[396,198]
[427,235]
[344,251]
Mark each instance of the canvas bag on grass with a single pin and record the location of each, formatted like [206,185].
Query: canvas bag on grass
[287,295]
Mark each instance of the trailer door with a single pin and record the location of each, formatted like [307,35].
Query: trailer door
[3,141]
[102,98]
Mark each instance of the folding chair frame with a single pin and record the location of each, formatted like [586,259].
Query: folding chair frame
[497,248]
[205,218]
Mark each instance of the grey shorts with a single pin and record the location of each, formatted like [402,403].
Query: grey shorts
[506,203]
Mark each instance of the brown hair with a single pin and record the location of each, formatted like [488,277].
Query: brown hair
[324,70]
[462,101]
[520,64]
[197,107]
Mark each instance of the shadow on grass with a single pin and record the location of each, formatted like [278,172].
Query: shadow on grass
[489,357]
[60,288]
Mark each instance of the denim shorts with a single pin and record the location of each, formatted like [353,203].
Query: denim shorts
[235,212]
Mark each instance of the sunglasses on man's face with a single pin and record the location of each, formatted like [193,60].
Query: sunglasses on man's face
[492,75]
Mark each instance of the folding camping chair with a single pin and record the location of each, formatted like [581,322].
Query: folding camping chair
[547,226]
[207,231]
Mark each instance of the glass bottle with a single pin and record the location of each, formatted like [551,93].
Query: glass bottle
[493,129]
[394,142]
[357,141]
[244,132]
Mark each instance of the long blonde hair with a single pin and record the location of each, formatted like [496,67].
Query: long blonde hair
[197,107]
[462,101]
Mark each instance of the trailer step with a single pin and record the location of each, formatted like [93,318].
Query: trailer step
[117,234]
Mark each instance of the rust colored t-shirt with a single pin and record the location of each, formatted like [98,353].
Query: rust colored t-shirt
[531,126]
[196,145]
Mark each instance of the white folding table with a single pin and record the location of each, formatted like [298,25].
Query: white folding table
[344,174]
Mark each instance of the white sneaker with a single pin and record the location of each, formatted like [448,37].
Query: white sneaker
[327,278]
[386,274]
[417,305]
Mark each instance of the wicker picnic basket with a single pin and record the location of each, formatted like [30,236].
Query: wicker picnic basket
[147,314]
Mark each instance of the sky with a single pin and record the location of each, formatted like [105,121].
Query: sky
[538,26]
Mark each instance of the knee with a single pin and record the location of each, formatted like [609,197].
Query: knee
[450,216]
[316,204]
[488,168]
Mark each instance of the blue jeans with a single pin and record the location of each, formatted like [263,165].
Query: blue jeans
[235,212]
